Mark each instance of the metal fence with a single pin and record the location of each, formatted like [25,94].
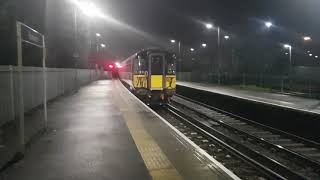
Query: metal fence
[294,84]
[59,81]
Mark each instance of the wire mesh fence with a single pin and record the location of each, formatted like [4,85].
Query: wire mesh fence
[300,86]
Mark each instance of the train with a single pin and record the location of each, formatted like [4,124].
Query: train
[150,74]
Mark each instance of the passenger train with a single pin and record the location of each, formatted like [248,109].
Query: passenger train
[151,75]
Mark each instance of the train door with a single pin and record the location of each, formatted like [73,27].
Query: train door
[157,69]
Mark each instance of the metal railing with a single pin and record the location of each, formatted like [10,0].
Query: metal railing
[59,81]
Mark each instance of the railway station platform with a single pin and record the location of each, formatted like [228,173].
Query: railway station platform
[104,132]
[277,99]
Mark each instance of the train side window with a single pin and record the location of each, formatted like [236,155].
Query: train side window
[171,65]
[139,65]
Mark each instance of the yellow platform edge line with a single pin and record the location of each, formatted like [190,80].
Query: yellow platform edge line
[157,163]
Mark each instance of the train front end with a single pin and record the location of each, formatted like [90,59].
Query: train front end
[155,76]
[162,70]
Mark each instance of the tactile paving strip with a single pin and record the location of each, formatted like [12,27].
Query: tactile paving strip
[159,166]
[157,163]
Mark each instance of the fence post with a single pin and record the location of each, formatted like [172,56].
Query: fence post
[282,82]
[243,79]
[309,86]
[63,88]
[260,79]
[12,93]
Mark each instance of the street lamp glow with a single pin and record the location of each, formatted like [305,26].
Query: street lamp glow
[226,37]
[204,45]
[209,26]
[268,24]
[191,49]
[118,65]
[172,41]
[103,45]
[98,34]
[88,8]
[287,46]
[307,38]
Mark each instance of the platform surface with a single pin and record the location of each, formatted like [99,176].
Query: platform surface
[104,132]
[88,140]
[283,100]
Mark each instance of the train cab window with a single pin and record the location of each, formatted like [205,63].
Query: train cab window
[140,65]
[171,65]
[157,64]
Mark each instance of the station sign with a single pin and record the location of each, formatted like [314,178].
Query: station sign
[31,36]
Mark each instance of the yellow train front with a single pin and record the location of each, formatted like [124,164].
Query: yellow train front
[151,75]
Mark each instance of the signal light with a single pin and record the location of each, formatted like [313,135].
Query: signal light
[110,66]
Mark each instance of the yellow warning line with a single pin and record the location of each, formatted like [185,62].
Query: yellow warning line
[158,165]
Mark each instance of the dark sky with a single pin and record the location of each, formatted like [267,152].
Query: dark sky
[180,19]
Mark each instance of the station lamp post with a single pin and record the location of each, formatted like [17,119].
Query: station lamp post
[173,41]
[289,47]
[210,26]
[98,35]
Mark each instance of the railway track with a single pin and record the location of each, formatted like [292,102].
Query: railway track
[280,155]
[239,163]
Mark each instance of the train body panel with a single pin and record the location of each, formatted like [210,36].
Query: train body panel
[151,75]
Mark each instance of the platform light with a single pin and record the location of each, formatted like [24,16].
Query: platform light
[307,38]
[118,65]
[316,57]
[286,53]
[287,46]
[204,45]
[209,26]
[226,37]
[268,24]
[98,34]
[191,49]
[103,45]
[173,41]
[310,55]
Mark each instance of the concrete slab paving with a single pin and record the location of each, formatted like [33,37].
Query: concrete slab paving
[88,139]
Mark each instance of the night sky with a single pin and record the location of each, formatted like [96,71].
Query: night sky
[180,19]
[154,22]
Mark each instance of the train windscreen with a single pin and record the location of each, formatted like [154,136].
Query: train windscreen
[157,64]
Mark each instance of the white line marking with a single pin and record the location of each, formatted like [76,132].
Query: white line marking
[196,147]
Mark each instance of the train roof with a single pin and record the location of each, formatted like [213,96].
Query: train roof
[148,50]
[153,50]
